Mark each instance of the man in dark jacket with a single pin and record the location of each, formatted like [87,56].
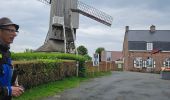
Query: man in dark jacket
[8,31]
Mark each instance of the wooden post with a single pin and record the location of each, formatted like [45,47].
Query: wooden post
[106,66]
[110,65]
[98,67]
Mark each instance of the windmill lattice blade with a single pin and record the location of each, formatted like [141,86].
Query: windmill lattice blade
[45,1]
[93,13]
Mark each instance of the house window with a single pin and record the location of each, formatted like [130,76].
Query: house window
[138,62]
[149,46]
[144,63]
[150,63]
[167,62]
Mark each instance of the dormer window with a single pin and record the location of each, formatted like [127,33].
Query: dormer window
[152,29]
[149,46]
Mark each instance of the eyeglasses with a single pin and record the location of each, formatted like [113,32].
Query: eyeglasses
[9,30]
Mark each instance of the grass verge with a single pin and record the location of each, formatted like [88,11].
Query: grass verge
[53,88]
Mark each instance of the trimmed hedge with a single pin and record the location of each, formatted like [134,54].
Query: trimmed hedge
[39,68]
[33,73]
[42,55]
[52,56]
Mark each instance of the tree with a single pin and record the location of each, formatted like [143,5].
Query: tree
[28,50]
[88,57]
[99,51]
[82,50]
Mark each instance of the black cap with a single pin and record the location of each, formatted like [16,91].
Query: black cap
[4,21]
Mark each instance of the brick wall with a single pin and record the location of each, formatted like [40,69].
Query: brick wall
[103,66]
[125,53]
[159,58]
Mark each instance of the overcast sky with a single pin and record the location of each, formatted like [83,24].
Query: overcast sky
[33,18]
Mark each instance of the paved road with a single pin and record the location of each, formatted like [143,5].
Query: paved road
[120,86]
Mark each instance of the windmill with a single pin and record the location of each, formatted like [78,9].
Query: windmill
[64,20]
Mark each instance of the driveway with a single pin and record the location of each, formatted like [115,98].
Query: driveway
[120,86]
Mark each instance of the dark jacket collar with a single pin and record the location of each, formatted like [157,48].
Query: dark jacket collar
[3,46]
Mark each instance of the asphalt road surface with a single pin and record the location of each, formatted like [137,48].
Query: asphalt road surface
[119,86]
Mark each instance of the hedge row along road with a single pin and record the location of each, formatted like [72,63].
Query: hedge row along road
[119,86]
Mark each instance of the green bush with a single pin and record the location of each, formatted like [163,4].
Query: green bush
[30,56]
[33,73]
[42,55]
[88,57]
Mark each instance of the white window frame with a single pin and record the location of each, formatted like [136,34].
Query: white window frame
[168,62]
[138,61]
[152,62]
[149,46]
[144,63]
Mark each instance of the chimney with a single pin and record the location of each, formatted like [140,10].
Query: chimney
[152,29]
[126,28]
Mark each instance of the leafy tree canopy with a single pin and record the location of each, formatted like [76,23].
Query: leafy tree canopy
[82,50]
[99,51]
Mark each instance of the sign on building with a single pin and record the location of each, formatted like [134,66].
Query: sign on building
[95,59]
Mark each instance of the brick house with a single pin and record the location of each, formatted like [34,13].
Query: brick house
[115,57]
[146,50]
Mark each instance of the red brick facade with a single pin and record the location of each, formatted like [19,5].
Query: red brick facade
[158,58]
[103,66]
[129,57]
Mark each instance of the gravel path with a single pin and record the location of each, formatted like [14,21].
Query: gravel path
[119,86]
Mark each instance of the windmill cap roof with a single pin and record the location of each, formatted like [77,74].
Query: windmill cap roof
[4,21]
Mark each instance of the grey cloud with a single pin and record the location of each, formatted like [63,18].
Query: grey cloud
[156,4]
[32,16]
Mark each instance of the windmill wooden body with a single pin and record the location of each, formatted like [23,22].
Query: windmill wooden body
[64,20]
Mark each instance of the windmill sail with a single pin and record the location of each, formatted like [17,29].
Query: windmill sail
[45,1]
[93,13]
